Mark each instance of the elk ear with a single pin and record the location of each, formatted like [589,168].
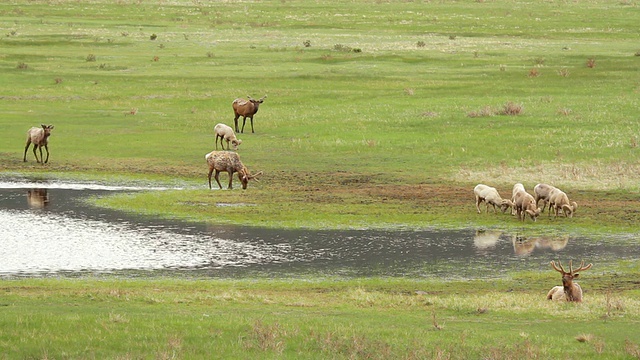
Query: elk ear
[43,126]
[575,276]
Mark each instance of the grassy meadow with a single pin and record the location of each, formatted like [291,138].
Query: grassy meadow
[379,114]
[401,105]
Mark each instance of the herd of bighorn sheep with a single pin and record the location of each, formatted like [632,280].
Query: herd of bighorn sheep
[524,204]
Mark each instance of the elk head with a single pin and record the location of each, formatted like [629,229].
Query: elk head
[568,277]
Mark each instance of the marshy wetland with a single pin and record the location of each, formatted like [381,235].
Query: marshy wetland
[361,239]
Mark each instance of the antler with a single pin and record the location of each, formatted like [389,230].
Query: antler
[581,268]
[555,267]
[571,271]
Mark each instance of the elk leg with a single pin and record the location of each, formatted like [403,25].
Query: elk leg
[209,177]
[24,159]
[217,177]
[235,120]
[230,180]
[46,147]
[35,147]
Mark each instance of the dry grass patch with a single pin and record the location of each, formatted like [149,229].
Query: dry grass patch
[589,176]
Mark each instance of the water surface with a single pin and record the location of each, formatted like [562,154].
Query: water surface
[47,229]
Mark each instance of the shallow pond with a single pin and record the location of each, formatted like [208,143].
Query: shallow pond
[47,229]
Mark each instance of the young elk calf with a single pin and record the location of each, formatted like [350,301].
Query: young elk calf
[40,138]
[569,290]
[229,162]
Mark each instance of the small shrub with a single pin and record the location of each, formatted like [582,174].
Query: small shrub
[356,50]
[585,337]
[421,44]
[340,47]
[534,72]
[153,37]
[503,67]
[452,37]
[22,66]
[634,142]
[632,349]
[564,72]
[124,34]
[484,112]
[156,58]
[637,53]
[306,43]
[511,109]
[102,66]
[161,46]
[58,80]
[591,63]
[539,61]
[91,57]
[564,111]
[409,91]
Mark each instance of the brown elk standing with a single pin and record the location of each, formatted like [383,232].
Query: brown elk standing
[569,290]
[246,109]
[40,138]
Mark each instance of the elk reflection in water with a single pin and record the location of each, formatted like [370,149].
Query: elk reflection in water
[37,198]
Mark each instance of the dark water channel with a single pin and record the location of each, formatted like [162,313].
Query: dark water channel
[47,230]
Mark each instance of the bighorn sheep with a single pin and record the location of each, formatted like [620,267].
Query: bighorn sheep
[229,162]
[559,200]
[225,132]
[543,192]
[517,187]
[39,136]
[569,290]
[246,109]
[490,196]
[525,204]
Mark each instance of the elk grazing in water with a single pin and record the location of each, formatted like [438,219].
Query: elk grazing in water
[40,138]
[246,109]
[569,290]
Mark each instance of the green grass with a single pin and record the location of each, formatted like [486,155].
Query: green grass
[369,319]
[375,138]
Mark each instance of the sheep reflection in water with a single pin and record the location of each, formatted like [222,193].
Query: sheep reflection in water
[486,239]
[523,246]
[37,198]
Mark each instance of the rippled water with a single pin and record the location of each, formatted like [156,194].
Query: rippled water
[46,228]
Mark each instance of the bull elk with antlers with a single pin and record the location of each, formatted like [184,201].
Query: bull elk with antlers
[569,290]
[229,162]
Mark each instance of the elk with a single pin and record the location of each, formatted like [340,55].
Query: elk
[246,109]
[569,290]
[229,162]
[40,138]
